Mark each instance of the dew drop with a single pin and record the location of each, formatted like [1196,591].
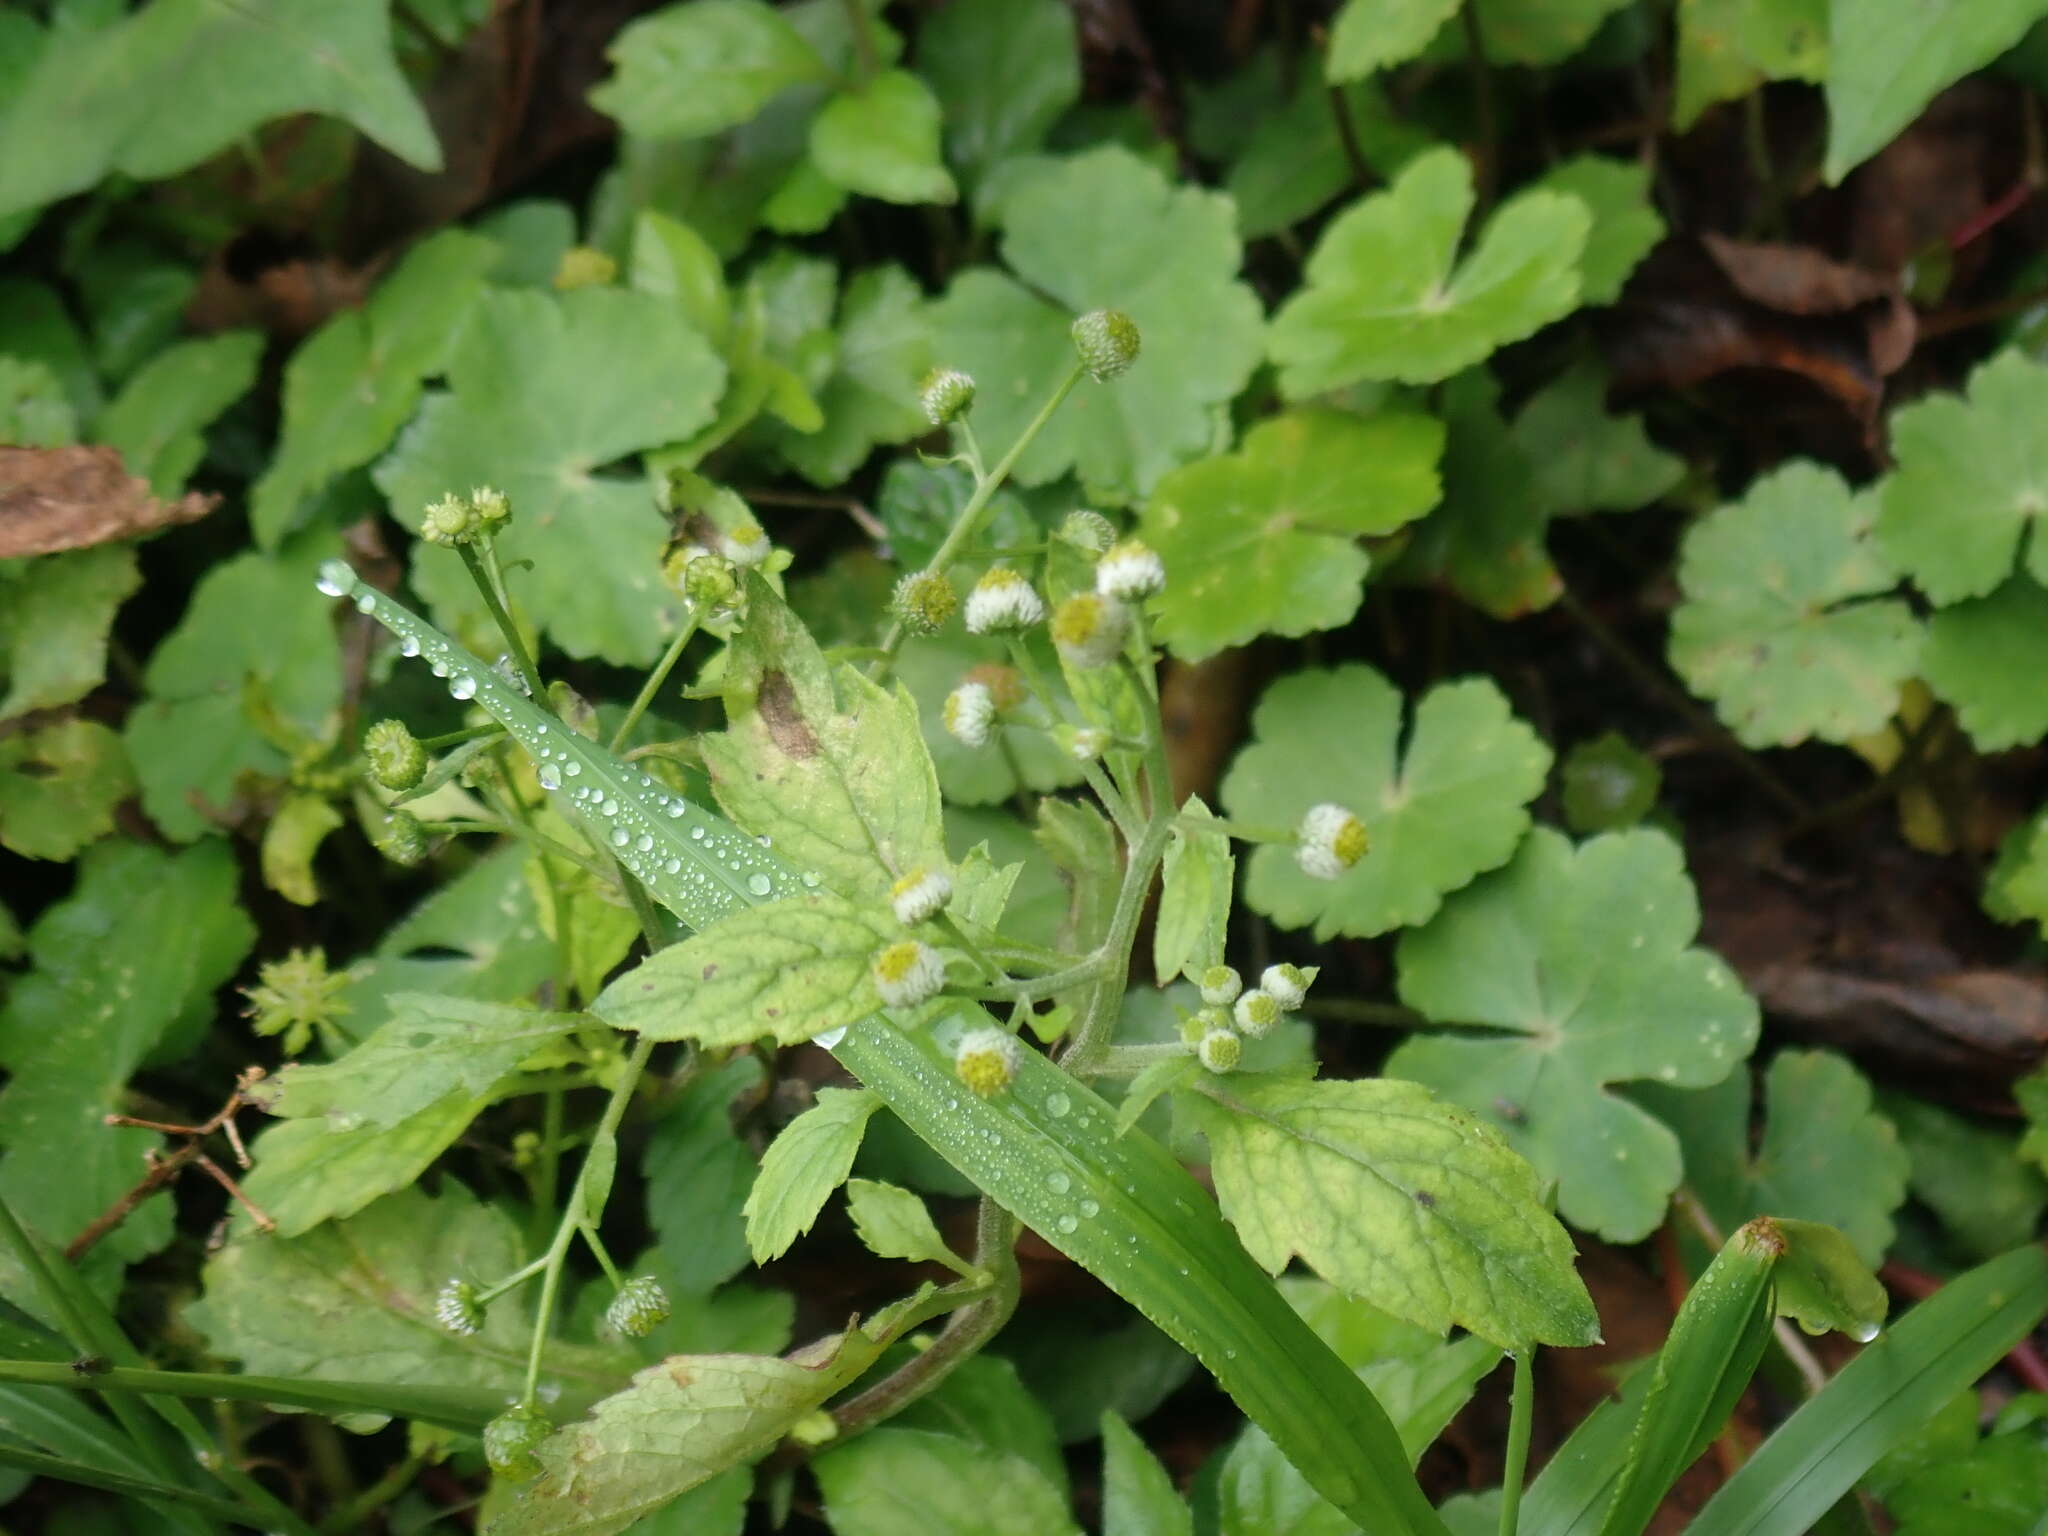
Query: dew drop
[1057,1104]
[335,578]
[1090,1208]
[696,834]
[462,686]
[619,837]
[610,808]
[759,883]
[572,768]
[550,776]
[408,647]
[1057,1182]
[829,1038]
[810,879]
[673,866]
[676,807]
[644,843]
[437,666]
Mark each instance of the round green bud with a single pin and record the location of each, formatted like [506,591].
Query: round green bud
[1195,1025]
[1220,985]
[1107,340]
[448,521]
[1289,984]
[815,1428]
[711,583]
[640,1307]
[394,754]
[924,601]
[1087,530]
[296,997]
[404,841]
[511,1439]
[1220,1050]
[1256,1013]
[945,395]
[492,510]
[457,1309]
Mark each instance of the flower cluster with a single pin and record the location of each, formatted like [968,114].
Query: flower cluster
[1232,1015]
[466,520]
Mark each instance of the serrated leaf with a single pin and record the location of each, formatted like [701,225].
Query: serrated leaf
[891,1481]
[158,418]
[830,767]
[1586,458]
[881,138]
[162,89]
[354,1301]
[1992,1488]
[1770,629]
[313,1171]
[1541,32]
[1395,1197]
[59,786]
[351,385]
[677,1425]
[1264,540]
[1967,1174]
[1259,1491]
[1385,296]
[894,1223]
[133,953]
[802,1167]
[699,1175]
[1368,35]
[2016,890]
[1972,474]
[1169,260]
[478,935]
[1003,72]
[544,391]
[1985,656]
[1884,66]
[1441,801]
[1727,48]
[788,970]
[1198,880]
[55,615]
[1588,968]
[1137,1495]
[882,353]
[688,70]
[1825,1155]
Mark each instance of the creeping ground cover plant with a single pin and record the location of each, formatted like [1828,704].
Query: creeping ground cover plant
[1001,768]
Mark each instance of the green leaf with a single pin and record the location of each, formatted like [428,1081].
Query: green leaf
[1985,656]
[545,391]
[985,1400]
[891,1481]
[1541,31]
[1392,1196]
[1386,297]
[312,1171]
[1003,71]
[477,935]
[699,1175]
[59,786]
[1876,1400]
[1169,260]
[1727,48]
[1584,458]
[1200,876]
[164,88]
[2016,890]
[831,767]
[870,397]
[788,970]
[39,329]
[1884,66]
[1770,628]
[1992,1488]
[1137,1495]
[1083,1362]
[1823,1285]
[158,417]
[1264,540]
[1291,161]
[55,614]
[1589,974]
[692,69]
[1607,785]
[1972,474]
[354,1300]
[351,385]
[1967,1174]
[1825,1155]
[802,1167]
[972,776]
[34,412]
[679,1424]
[881,138]
[894,1224]
[291,840]
[1368,35]
[134,953]
[1441,801]
[136,302]
[1260,1492]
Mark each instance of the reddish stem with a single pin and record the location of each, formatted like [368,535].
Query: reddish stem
[2024,1359]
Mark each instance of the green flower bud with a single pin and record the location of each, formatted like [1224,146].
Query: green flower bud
[295,997]
[1082,743]
[924,601]
[1086,530]
[396,758]
[1220,1050]
[457,1309]
[492,510]
[1289,984]
[511,1439]
[404,841]
[640,1307]
[1256,1013]
[946,395]
[1195,1025]
[448,521]
[1220,985]
[1107,340]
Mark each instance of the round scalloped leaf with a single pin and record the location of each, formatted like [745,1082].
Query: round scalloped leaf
[2016,890]
[1387,298]
[882,138]
[1168,259]
[1582,960]
[1264,541]
[1972,473]
[1987,658]
[1587,458]
[690,70]
[1441,804]
[1769,630]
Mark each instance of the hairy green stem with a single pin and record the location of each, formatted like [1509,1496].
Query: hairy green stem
[1092,1036]
[483,570]
[539,839]
[1521,1416]
[1130,1060]
[655,679]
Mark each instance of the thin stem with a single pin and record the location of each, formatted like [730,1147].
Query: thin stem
[1521,1414]
[483,570]
[973,951]
[1130,1060]
[528,834]
[566,1229]
[355,1514]
[1347,136]
[457,738]
[655,679]
[1482,91]
[1091,1037]
[518,1277]
[863,44]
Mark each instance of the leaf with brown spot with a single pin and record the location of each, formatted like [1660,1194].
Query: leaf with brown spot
[54,499]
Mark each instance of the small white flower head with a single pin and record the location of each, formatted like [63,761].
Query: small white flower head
[919,895]
[1257,1012]
[1129,571]
[746,544]
[1220,986]
[457,1309]
[1107,340]
[970,710]
[1331,839]
[1083,743]
[1087,530]
[1090,629]
[1288,984]
[1220,1050]
[945,395]
[1002,603]
[924,601]
[908,973]
[640,1307]
[986,1060]
[490,506]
